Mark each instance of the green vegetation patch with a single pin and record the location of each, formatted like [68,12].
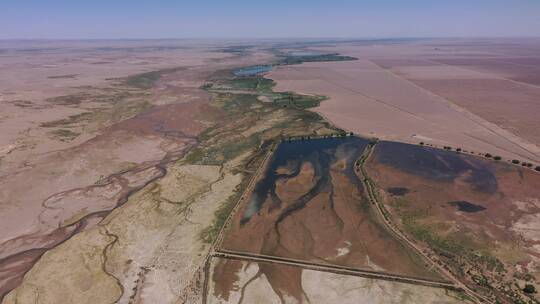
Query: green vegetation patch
[245,124]
[65,134]
[23,103]
[293,100]
[253,83]
[209,234]
[69,100]
[414,222]
[147,80]
[462,253]
[121,110]
[106,96]
[144,81]
[286,60]
[260,86]
[72,119]
[67,76]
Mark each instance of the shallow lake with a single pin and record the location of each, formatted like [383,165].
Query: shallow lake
[252,70]
[439,165]
[320,153]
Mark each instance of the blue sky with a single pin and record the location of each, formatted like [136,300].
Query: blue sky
[74,19]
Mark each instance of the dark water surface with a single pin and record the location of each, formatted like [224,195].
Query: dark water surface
[320,153]
[397,191]
[252,70]
[301,53]
[467,206]
[439,165]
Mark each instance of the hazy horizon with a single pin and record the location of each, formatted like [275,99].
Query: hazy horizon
[166,19]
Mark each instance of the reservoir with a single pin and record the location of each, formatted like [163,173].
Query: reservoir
[252,70]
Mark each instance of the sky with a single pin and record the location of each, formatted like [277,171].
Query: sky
[111,19]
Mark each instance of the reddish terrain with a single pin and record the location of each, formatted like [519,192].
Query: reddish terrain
[461,204]
[311,206]
[480,95]
[82,134]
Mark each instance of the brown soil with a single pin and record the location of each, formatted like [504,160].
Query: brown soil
[498,223]
[336,226]
[225,277]
[512,106]
[285,281]
[526,70]
[477,94]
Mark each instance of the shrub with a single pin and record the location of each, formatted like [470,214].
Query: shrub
[458,149]
[488,155]
[537,168]
[515,161]
[529,288]
[421,143]
[497,157]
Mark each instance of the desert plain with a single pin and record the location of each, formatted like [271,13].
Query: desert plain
[149,171]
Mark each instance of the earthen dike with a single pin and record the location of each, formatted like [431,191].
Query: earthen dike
[218,252]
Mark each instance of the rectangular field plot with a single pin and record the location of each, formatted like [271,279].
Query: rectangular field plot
[236,281]
[310,205]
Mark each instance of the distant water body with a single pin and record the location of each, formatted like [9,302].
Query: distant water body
[304,53]
[252,70]
[321,153]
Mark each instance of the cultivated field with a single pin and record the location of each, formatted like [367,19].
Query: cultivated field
[478,95]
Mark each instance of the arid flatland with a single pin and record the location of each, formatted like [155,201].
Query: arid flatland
[477,95]
[310,205]
[269,171]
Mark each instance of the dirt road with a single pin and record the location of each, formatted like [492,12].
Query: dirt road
[332,268]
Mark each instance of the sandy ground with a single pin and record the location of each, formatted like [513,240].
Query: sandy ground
[401,92]
[148,250]
[123,140]
[260,283]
